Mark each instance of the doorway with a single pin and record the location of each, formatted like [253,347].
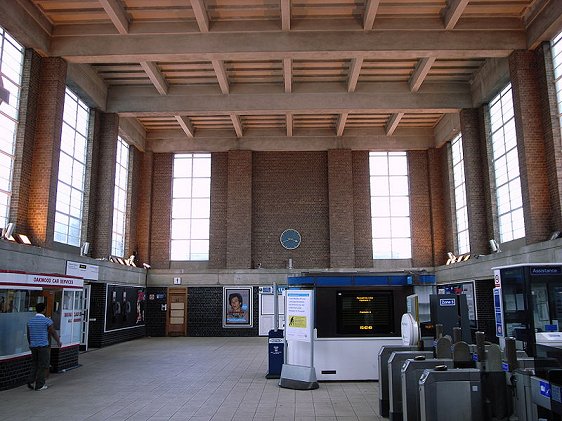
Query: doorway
[85,318]
[176,320]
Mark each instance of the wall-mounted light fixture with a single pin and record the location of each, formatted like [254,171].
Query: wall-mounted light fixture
[457,259]
[8,232]
[494,246]
[84,248]
[554,235]
[22,239]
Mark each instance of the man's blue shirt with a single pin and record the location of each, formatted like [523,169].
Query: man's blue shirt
[38,330]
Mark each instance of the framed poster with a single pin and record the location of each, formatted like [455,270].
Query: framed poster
[237,307]
[124,307]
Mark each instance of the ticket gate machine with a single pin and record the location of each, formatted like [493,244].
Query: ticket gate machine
[440,389]
[395,363]
[410,374]
[384,355]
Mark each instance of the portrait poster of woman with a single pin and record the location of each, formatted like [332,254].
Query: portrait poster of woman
[237,307]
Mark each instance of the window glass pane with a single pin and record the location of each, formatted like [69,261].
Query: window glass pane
[506,167]
[71,175]
[461,212]
[11,69]
[120,198]
[390,204]
[379,186]
[191,207]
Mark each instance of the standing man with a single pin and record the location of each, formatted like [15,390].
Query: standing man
[38,330]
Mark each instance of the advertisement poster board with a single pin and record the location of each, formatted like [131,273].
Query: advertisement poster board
[124,307]
[237,307]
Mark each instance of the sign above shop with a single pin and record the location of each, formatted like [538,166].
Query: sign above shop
[40,280]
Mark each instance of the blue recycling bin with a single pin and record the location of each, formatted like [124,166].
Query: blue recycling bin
[276,353]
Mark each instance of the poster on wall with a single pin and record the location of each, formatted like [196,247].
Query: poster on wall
[124,307]
[237,307]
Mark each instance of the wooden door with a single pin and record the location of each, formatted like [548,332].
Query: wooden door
[176,320]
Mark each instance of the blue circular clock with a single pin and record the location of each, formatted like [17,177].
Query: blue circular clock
[290,239]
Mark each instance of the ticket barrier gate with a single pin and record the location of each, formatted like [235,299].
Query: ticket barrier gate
[480,393]
[410,374]
[395,363]
[383,357]
[441,391]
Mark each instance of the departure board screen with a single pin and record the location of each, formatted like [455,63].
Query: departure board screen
[364,313]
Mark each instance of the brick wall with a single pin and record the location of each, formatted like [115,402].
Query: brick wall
[89,224]
[144,215]
[362,210]
[341,211]
[438,204]
[551,126]
[420,209]
[219,198]
[530,145]
[46,151]
[65,358]
[161,211]
[205,314]
[134,200]
[290,190]
[23,159]
[14,372]
[239,210]
[475,168]
[105,181]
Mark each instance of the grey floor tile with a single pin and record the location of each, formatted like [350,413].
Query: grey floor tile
[218,379]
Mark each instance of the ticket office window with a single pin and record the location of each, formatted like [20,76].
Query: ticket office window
[17,307]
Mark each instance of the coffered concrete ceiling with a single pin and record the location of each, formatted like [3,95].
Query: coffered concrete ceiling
[206,75]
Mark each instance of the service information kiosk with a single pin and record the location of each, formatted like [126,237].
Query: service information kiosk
[19,294]
[298,372]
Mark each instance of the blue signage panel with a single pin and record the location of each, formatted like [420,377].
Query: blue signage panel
[544,388]
[546,270]
[447,302]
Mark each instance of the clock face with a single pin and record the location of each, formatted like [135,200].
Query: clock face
[290,239]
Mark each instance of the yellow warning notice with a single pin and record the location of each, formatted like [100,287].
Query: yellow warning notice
[297,321]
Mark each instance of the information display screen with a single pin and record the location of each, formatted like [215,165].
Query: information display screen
[364,313]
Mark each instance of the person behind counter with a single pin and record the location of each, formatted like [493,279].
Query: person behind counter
[39,328]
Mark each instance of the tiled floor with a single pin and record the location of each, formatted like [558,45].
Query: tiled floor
[184,379]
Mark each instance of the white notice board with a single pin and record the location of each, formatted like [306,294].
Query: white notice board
[298,319]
